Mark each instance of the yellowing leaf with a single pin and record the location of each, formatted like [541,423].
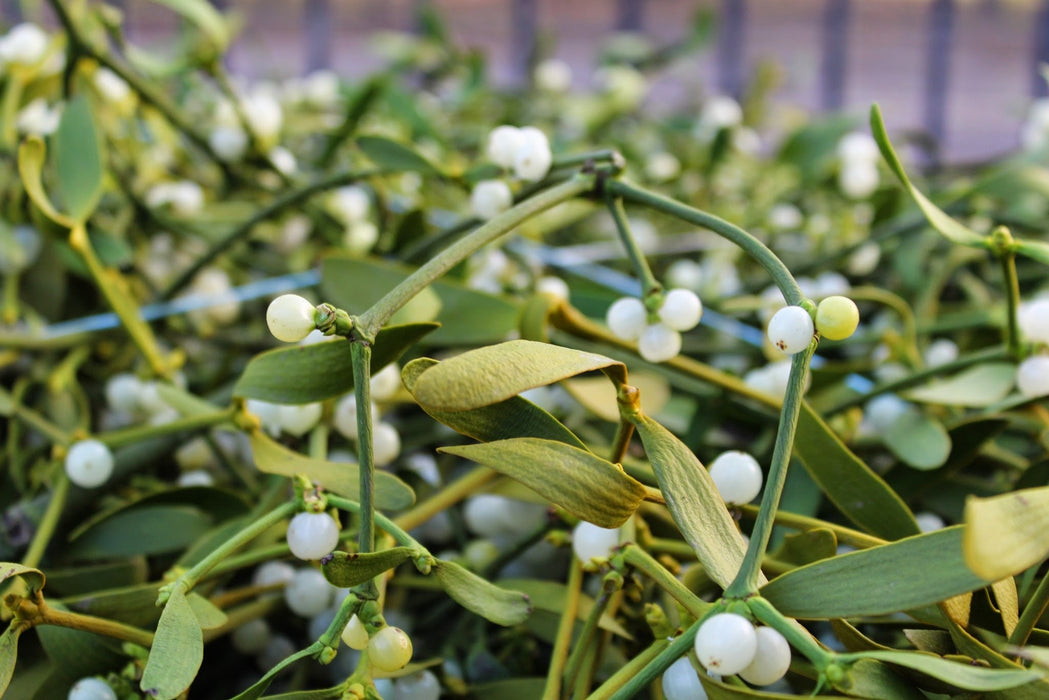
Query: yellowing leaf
[177,651]
[1006,534]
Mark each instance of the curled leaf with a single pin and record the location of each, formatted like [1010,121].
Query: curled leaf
[495,604]
[344,569]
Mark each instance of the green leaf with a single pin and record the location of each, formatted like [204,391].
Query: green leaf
[177,652]
[259,687]
[31,155]
[693,501]
[495,604]
[393,156]
[1036,250]
[345,569]
[133,605]
[78,162]
[860,494]
[8,654]
[467,316]
[965,676]
[918,440]
[209,615]
[811,149]
[185,402]
[976,387]
[7,403]
[599,396]
[515,417]
[322,694]
[77,653]
[34,578]
[938,219]
[494,373]
[868,678]
[344,479]
[579,481]
[1006,534]
[143,530]
[510,689]
[308,373]
[206,18]
[901,575]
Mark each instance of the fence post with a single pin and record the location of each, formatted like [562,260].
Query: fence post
[523,21]
[835,29]
[318,21]
[630,15]
[937,71]
[730,47]
[1040,55]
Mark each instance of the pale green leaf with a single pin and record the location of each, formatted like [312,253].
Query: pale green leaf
[494,373]
[1006,534]
[579,481]
[78,161]
[480,596]
[918,440]
[938,219]
[34,578]
[8,654]
[344,479]
[31,155]
[177,651]
[965,676]
[209,615]
[976,387]
[393,156]
[598,395]
[1036,250]
[551,597]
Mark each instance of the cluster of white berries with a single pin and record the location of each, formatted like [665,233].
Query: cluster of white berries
[1032,375]
[738,477]
[293,419]
[131,400]
[185,197]
[660,340]
[386,440]
[389,649]
[858,173]
[353,204]
[24,44]
[790,330]
[525,151]
[729,644]
[263,115]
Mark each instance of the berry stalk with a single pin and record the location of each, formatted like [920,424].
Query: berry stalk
[649,284]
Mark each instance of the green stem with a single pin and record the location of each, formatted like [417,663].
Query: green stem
[373,319]
[643,674]
[278,205]
[649,284]
[1003,246]
[129,436]
[630,670]
[97,625]
[9,313]
[641,560]
[584,643]
[747,580]
[604,155]
[48,523]
[190,578]
[33,419]
[1036,605]
[758,250]
[388,526]
[795,633]
[563,640]
[361,352]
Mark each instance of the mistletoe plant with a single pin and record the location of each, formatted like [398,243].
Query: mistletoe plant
[678,586]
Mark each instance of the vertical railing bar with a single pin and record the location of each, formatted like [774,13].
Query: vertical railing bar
[1040,53]
[524,24]
[317,17]
[630,15]
[835,42]
[937,73]
[730,47]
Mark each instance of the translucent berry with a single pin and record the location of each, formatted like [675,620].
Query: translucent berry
[308,593]
[122,392]
[771,660]
[89,463]
[681,682]
[273,572]
[299,419]
[533,158]
[837,317]
[345,416]
[940,352]
[418,686]
[385,383]
[290,318]
[1032,376]
[91,689]
[312,535]
[737,475]
[929,522]
[390,649]
[386,443]
[626,318]
[251,637]
[354,634]
[726,643]
[681,309]
[791,329]
[503,143]
[590,541]
[882,411]
[659,343]
[1033,317]
[490,198]
[552,285]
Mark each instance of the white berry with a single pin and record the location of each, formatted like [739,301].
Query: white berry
[929,522]
[533,158]
[251,637]
[791,329]
[659,343]
[272,573]
[89,463]
[1032,376]
[737,475]
[681,309]
[418,686]
[503,144]
[312,535]
[726,643]
[385,383]
[122,393]
[858,147]
[554,286]
[228,142]
[308,593]
[940,352]
[1033,317]
[91,689]
[354,634]
[390,649]
[386,443]
[290,318]
[344,418]
[24,44]
[590,541]
[299,419]
[771,660]
[490,198]
[681,682]
[858,180]
[626,318]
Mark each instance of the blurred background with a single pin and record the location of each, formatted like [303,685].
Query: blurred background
[963,72]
